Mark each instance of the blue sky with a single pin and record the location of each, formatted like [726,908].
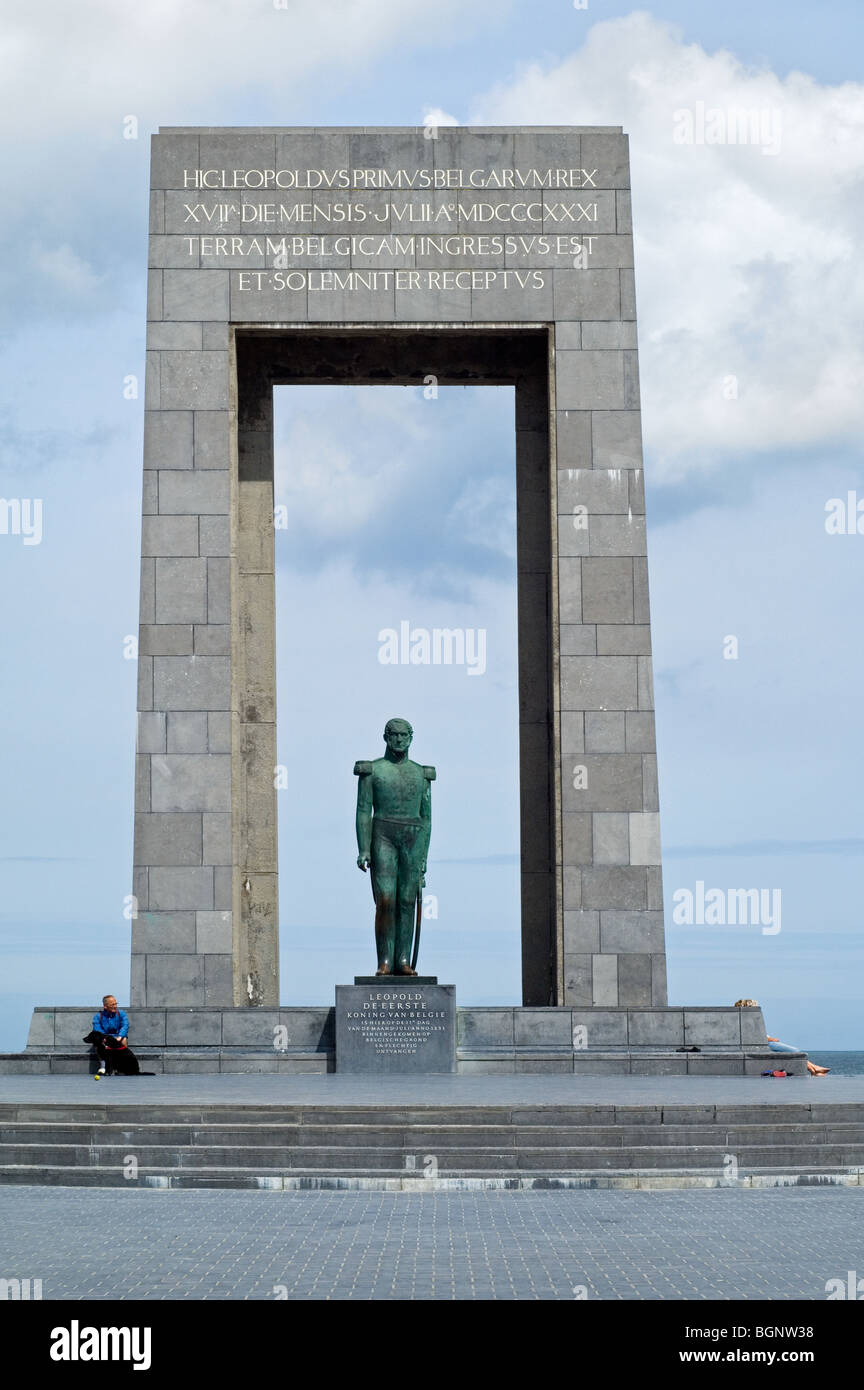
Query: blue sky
[750,303]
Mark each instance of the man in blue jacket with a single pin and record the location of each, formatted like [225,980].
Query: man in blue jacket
[110,1031]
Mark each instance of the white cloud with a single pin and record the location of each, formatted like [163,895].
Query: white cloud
[333,487]
[71,77]
[434,116]
[352,464]
[747,263]
[65,270]
[190,63]
[334,466]
[484,514]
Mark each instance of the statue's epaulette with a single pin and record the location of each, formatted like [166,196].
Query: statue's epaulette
[429,774]
[362,769]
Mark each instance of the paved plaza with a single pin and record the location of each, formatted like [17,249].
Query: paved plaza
[97,1244]
[723,1244]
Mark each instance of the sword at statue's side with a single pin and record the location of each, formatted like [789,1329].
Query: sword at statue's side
[419,919]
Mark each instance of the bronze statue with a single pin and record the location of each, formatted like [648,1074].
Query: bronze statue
[394,822]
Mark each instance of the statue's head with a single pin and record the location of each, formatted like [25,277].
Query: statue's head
[398,735]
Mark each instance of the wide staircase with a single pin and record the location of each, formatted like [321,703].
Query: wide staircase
[285,1147]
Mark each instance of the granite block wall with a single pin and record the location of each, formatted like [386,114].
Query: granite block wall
[340,231]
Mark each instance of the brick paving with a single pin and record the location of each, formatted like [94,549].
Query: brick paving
[102,1244]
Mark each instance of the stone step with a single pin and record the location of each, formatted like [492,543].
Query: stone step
[398,1178]
[273,1145]
[375,1152]
[420,1131]
[204,1113]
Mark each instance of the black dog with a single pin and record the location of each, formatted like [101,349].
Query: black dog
[119,1060]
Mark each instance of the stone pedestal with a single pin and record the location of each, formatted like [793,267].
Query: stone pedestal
[406,1027]
[675,1041]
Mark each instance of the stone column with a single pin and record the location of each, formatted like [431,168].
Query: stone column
[201,936]
[613,917]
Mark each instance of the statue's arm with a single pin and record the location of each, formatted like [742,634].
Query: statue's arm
[363,773]
[426,812]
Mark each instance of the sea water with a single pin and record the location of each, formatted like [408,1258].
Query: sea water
[839,1063]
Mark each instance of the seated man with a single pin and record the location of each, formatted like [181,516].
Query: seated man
[110,1031]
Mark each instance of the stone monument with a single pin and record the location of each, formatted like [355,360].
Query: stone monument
[370,256]
[311,255]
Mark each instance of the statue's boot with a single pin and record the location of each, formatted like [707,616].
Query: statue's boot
[404,940]
[384,933]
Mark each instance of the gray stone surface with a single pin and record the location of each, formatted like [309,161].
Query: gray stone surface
[167,438]
[611,839]
[612,783]
[195,294]
[165,639]
[713,1027]
[605,732]
[217,838]
[599,683]
[187,781]
[181,590]
[150,492]
[187,732]
[618,888]
[484,1028]
[181,888]
[193,380]
[162,932]
[151,732]
[179,979]
[213,639]
[193,1027]
[724,1041]
[644,837]
[198,511]
[395,1027]
[468,1246]
[195,493]
[199,683]
[607,590]
[213,934]
[169,839]
[734,1099]
[211,439]
[581,933]
[635,982]
[167,536]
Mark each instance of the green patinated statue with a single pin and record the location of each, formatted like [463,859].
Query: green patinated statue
[394,822]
